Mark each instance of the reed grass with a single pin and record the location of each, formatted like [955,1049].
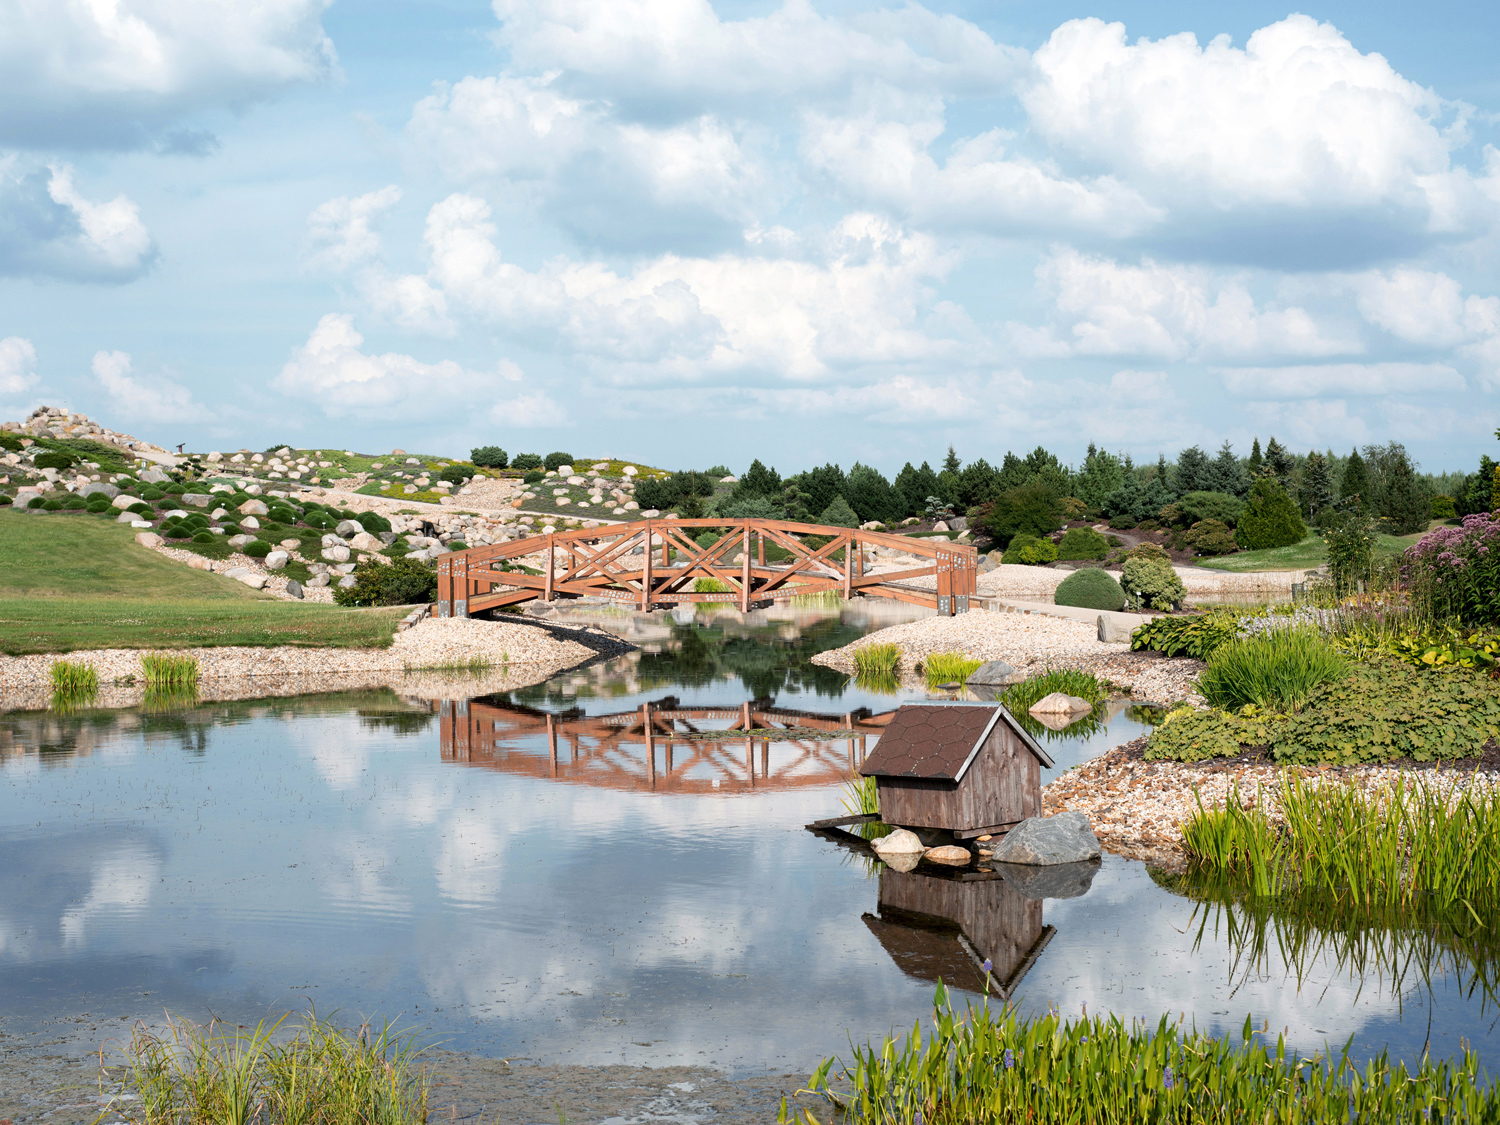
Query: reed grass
[74,677]
[1276,671]
[823,599]
[167,670]
[709,586]
[878,683]
[1020,698]
[948,667]
[884,659]
[1408,845]
[226,1075]
[983,1066]
[861,797]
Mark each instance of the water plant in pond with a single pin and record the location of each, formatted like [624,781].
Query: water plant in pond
[861,798]
[196,1075]
[1277,671]
[948,667]
[1408,844]
[167,670]
[987,1065]
[1022,697]
[878,683]
[823,599]
[877,659]
[74,682]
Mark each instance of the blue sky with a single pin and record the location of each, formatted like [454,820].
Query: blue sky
[691,233]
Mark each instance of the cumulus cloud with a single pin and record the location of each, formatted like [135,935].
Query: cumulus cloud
[17,366]
[1429,309]
[1296,146]
[155,399]
[48,228]
[342,228]
[1319,380]
[1164,310]
[113,75]
[333,371]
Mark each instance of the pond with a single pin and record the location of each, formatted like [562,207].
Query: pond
[514,877]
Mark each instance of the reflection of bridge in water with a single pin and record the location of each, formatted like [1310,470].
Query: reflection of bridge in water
[662,747]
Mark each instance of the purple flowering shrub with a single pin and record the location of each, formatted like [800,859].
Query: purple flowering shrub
[1455,571]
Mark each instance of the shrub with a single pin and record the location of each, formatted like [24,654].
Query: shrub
[1072,508]
[37,502]
[52,506]
[1151,580]
[1270,519]
[752,508]
[372,522]
[1211,537]
[557,460]
[1028,550]
[1443,508]
[1122,522]
[99,503]
[1090,588]
[838,514]
[140,510]
[257,548]
[173,489]
[1221,506]
[75,503]
[456,474]
[402,581]
[1277,671]
[151,494]
[53,459]
[489,457]
[1080,543]
[536,476]
[1198,636]
[1031,509]
[1136,500]
[204,537]
[6,498]
[526,461]
[1020,698]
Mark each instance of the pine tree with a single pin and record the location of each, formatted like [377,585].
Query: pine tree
[1163,475]
[1194,472]
[839,514]
[1255,458]
[951,463]
[1227,474]
[1279,463]
[1354,489]
[1270,518]
[1405,501]
[1317,485]
[870,494]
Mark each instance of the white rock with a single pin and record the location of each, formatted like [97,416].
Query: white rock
[149,539]
[901,840]
[347,528]
[124,500]
[276,560]
[254,508]
[254,581]
[218,514]
[250,522]
[1059,704]
[364,541]
[215,457]
[632,506]
[346,581]
[336,554]
[629,470]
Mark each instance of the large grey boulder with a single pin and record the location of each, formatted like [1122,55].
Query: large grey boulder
[238,541]
[123,517]
[958,523]
[992,673]
[155,476]
[99,488]
[254,508]
[196,499]
[347,528]
[1039,841]
[364,541]
[1057,880]
[294,588]
[336,554]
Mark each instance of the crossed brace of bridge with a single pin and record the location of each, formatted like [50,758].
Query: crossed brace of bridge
[753,562]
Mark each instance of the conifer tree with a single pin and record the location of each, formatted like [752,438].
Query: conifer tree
[1404,501]
[1355,487]
[951,463]
[1255,458]
[1278,463]
[1163,475]
[1317,485]
[1270,518]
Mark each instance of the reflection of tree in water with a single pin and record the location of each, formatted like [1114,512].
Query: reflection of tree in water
[1398,948]
[397,722]
[765,661]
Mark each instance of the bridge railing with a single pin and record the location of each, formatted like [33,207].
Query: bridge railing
[657,562]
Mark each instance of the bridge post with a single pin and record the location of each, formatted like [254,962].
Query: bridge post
[849,565]
[646,570]
[945,584]
[547,589]
[460,580]
[745,568]
[444,586]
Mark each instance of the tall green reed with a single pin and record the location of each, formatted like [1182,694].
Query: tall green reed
[168,670]
[877,658]
[948,667]
[74,683]
[1276,671]
[1020,698]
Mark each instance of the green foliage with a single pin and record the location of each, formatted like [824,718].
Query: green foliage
[257,548]
[839,514]
[489,457]
[1354,487]
[1090,588]
[1100,475]
[877,659]
[1030,509]
[1350,539]
[526,461]
[1186,735]
[204,537]
[1270,518]
[456,474]
[403,581]
[1028,550]
[373,522]
[1148,578]
[555,461]
[1211,537]
[992,1064]
[1404,501]
[74,678]
[535,476]
[75,503]
[53,459]
[168,670]
[1136,500]
[1278,670]
[752,508]
[709,586]
[1441,646]
[1081,543]
[1221,506]
[1198,635]
[1022,697]
[1122,522]
[940,668]
[1443,508]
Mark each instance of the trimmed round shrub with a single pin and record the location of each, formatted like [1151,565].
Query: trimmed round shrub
[458,545]
[526,461]
[489,457]
[149,493]
[1079,543]
[37,502]
[99,503]
[1152,580]
[75,503]
[456,474]
[197,520]
[373,522]
[6,499]
[1270,519]
[257,548]
[52,459]
[1090,588]
[204,537]
[536,476]
[1122,522]
[1028,550]
[52,506]
[398,582]
[173,489]
[174,530]
[1211,537]
[554,460]
[1443,507]
[140,509]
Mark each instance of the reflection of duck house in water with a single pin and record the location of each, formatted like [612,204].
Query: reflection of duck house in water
[941,927]
[965,768]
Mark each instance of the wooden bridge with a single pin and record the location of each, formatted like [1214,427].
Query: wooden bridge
[657,562]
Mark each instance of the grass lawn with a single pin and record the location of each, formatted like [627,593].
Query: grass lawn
[72,582]
[1306,555]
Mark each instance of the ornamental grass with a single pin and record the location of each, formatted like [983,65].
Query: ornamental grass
[985,1066]
[940,668]
[877,659]
[1277,671]
[165,670]
[74,679]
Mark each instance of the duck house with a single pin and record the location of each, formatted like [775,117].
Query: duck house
[966,768]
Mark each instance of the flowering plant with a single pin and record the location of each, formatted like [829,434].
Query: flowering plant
[1456,570]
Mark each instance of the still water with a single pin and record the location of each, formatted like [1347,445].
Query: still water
[512,875]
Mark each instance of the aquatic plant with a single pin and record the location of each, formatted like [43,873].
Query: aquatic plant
[74,680]
[988,1065]
[878,683]
[1409,843]
[823,599]
[948,667]
[877,659]
[227,1075]
[1020,698]
[709,586]
[1276,671]
[166,670]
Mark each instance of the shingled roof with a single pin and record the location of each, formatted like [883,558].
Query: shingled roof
[939,741]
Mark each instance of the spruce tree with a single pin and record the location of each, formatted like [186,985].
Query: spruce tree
[1227,474]
[1163,474]
[1355,487]
[1279,463]
[1270,518]
[951,463]
[1404,501]
[1255,458]
[1317,485]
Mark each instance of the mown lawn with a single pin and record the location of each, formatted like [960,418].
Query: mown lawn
[1309,554]
[75,581]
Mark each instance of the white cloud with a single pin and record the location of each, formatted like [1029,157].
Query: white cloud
[343,228]
[48,228]
[17,365]
[1163,310]
[332,371]
[1296,122]
[1423,307]
[156,399]
[1319,380]
[113,72]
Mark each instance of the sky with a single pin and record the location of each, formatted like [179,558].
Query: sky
[690,233]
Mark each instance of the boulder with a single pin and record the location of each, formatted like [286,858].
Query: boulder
[1059,704]
[198,562]
[238,541]
[318,580]
[123,517]
[99,488]
[336,554]
[436,549]
[196,499]
[346,528]
[992,673]
[149,539]
[174,514]
[940,526]
[294,588]
[1116,628]
[238,572]
[215,457]
[276,560]
[364,541]
[155,476]
[649,513]
[387,538]
[346,581]
[124,500]
[901,840]
[629,470]
[1056,880]
[1040,841]
[254,508]
[250,522]
[951,854]
[218,513]
[958,523]
[254,581]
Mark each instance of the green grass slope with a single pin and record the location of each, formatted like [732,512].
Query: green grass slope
[1309,554]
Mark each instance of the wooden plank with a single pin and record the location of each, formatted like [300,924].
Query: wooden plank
[838,821]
